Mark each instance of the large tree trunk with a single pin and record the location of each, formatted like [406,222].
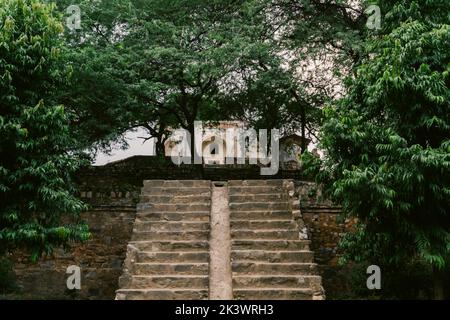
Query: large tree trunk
[192,142]
[198,167]
[302,107]
[160,150]
[303,127]
[438,284]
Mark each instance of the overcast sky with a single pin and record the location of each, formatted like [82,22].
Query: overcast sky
[136,147]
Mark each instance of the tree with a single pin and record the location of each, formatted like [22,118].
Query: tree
[386,143]
[36,160]
[318,43]
[161,65]
[163,60]
[270,95]
[95,97]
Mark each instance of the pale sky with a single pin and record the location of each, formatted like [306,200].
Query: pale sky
[136,147]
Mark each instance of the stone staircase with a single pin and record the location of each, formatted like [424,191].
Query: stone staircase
[168,257]
[269,261]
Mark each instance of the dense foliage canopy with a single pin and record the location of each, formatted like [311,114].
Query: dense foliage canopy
[36,159]
[387,142]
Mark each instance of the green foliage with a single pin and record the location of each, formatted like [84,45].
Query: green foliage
[408,281]
[387,147]
[321,26]
[164,64]
[153,64]
[35,149]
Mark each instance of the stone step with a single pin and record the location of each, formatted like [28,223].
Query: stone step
[286,245]
[170,235]
[263,224]
[277,281]
[171,207]
[271,182]
[275,196]
[270,234]
[264,268]
[273,294]
[169,255]
[155,191]
[175,199]
[169,282]
[171,225]
[162,294]
[176,183]
[178,246]
[320,210]
[180,257]
[261,215]
[276,256]
[244,206]
[174,216]
[171,268]
[254,190]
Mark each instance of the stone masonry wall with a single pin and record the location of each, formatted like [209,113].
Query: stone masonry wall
[325,229]
[113,191]
[112,201]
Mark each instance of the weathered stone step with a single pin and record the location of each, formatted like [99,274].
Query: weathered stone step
[254,190]
[154,191]
[285,268]
[171,268]
[270,234]
[271,182]
[320,210]
[252,244]
[171,225]
[176,183]
[263,224]
[162,294]
[169,282]
[261,215]
[165,207]
[277,281]
[175,199]
[170,235]
[276,196]
[174,216]
[181,257]
[272,256]
[273,294]
[153,245]
[244,206]
[169,255]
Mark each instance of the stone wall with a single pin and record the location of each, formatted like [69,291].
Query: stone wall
[112,199]
[138,168]
[100,260]
[113,191]
[325,229]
